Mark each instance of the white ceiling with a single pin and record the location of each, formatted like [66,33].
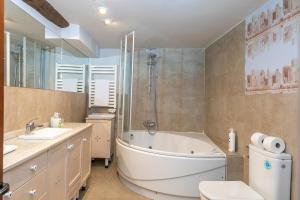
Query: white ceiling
[16,20]
[158,23]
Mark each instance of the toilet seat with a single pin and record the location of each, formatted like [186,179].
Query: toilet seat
[227,190]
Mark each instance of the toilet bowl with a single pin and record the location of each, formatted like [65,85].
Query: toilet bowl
[227,190]
[269,179]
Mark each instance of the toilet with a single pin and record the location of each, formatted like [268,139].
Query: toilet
[269,179]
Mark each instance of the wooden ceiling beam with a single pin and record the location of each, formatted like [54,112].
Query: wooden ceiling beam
[48,11]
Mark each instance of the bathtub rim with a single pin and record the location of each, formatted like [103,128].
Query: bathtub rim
[216,153]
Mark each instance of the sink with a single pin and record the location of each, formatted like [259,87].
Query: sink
[45,134]
[7,148]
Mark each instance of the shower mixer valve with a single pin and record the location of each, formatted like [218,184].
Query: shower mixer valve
[150,126]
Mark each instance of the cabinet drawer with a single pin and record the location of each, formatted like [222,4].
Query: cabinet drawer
[24,172]
[35,189]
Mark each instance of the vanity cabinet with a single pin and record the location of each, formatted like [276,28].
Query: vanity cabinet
[102,138]
[57,172]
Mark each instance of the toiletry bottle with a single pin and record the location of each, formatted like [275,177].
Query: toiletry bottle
[56,120]
[52,121]
[231,140]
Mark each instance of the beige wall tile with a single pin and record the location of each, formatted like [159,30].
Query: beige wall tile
[180,90]
[227,105]
[24,104]
[235,167]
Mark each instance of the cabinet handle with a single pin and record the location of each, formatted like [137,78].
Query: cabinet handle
[32,192]
[70,147]
[84,139]
[34,168]
[8,195]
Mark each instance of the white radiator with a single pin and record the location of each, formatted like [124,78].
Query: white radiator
[103,72]
[66,72]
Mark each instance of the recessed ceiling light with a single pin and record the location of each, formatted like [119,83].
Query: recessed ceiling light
[102,10]
[107,21]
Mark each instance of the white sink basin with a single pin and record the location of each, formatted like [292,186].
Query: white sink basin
[8,148]
[45,134]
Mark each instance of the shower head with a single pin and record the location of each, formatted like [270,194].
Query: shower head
[152,55]
[152,58]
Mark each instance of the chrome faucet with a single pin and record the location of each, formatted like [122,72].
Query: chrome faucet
[30,126]
[150,126]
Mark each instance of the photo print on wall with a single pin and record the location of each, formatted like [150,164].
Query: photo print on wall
[273,48]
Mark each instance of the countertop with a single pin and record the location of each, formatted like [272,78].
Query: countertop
[28,149]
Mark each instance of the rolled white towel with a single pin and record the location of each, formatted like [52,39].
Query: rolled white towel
[274,145]
[257,139]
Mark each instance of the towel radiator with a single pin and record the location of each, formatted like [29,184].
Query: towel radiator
[70,71]
[103,72]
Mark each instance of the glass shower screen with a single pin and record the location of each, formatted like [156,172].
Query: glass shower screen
[125,84]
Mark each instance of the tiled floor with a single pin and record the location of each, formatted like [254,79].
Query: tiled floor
[104,184]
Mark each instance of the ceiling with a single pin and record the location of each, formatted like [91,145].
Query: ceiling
[158,23]
[16,20]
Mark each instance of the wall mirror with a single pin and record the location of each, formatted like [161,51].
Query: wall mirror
[33,61]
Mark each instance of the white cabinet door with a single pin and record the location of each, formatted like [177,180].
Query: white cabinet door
[73,163]
[57,172]
[101,139]
[86,152]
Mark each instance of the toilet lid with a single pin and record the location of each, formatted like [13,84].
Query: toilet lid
[227,190]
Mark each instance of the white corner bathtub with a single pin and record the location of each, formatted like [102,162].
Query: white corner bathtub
[168,165]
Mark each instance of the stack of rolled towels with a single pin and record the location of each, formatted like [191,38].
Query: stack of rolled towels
[269,143]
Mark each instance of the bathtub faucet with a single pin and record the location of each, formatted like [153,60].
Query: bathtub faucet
[150,126]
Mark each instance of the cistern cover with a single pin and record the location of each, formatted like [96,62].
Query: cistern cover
[228,190]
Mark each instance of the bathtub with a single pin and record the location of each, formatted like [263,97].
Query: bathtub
[168,165]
